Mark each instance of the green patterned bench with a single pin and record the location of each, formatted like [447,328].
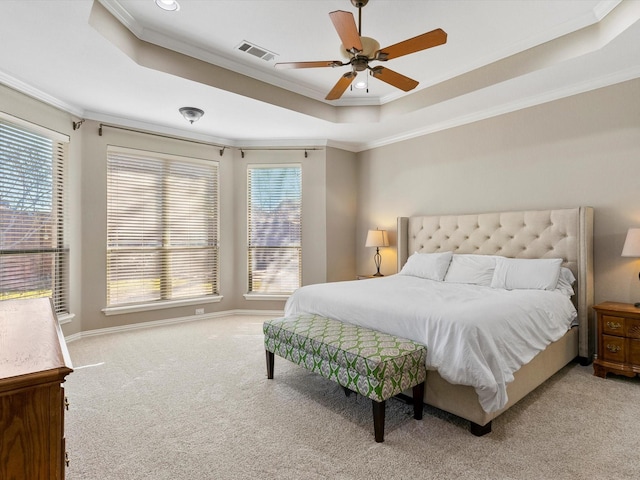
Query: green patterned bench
[365,361]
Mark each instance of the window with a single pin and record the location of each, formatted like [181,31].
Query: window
[33,254]
[274,228]
[162,227]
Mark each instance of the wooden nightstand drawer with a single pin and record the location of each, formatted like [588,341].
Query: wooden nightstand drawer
[618,339]
[613,350]
[613,325]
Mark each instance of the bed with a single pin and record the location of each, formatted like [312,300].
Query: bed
[564,234]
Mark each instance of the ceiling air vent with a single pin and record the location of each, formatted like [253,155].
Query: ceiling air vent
[256,51]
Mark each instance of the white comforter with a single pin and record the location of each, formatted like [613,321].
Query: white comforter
[475,335]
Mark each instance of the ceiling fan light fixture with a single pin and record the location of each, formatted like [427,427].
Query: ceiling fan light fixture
[369,46]
[191,114]
[169,5]
[360,85]
[362,82]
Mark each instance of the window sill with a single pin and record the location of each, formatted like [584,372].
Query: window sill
[143,307]
[266,296]
[66,318]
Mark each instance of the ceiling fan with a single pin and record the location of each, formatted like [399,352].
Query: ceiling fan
[362,50]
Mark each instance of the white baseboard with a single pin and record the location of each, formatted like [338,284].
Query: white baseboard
[170,321]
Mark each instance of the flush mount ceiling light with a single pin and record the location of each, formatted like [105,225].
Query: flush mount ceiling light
[191,114]
[169,5]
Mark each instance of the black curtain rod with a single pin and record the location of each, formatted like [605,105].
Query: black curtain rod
[223,147]
[171,137]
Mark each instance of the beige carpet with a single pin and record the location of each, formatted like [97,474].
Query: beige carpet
[192,401]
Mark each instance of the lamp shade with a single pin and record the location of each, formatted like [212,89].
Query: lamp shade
[377,238]
[632,243]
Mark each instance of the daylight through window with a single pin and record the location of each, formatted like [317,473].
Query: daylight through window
[33,253]
[162,227]
[274,227]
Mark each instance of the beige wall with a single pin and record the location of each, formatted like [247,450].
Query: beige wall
[342,205]
[582,150]
[328,206]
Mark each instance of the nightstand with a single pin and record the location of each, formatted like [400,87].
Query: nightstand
[618,339]
[363,277]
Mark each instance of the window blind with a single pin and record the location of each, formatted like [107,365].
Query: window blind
[33,254]
[274,228]
[162,227]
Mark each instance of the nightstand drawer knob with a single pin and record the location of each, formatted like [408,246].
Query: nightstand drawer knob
[614,325]
[613,348]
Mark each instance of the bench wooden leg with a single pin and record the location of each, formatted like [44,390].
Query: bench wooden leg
[418,401]
[270,356]
[378,420]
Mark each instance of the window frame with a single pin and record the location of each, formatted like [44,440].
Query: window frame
[213,237]
[59,211]
[265,295]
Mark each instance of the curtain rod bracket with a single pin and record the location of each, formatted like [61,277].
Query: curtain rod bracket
[100,130]
[242,153]
[77,125]
[222,151]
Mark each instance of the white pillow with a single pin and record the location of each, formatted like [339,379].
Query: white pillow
[565,282]
[472,269]
[525,273]
[432,266]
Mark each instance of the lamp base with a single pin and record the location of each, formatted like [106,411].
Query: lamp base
[637,304]
[378,274]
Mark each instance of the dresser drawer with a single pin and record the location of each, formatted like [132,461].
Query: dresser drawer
[634,352]
[613,325]
[613,348]
[632,328]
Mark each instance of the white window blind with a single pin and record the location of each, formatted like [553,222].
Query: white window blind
[33,253]
[162,227]
[274,228]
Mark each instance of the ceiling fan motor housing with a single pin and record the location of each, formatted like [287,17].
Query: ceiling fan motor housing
[359,63]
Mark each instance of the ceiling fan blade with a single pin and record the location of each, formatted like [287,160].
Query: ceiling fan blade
[339,88]
[324,63]
[394,78]
[421,42]
[345,25]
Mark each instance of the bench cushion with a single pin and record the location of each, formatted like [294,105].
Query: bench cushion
[369,362]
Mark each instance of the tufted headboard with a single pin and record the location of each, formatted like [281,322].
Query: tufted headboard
[563,233]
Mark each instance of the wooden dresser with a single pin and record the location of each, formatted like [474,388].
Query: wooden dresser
[34,362]
[618,339]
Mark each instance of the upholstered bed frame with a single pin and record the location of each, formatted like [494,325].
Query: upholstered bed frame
[563,233]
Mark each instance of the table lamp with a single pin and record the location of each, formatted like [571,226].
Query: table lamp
[377,238]
[632,248]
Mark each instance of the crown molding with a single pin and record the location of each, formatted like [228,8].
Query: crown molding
[520,104]
[38,94]
[600,11]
